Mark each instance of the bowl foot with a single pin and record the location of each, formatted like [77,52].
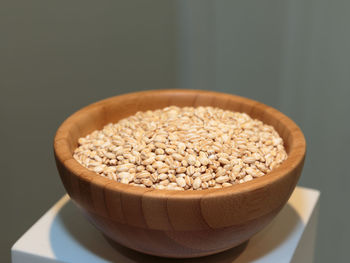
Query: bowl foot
[227,255]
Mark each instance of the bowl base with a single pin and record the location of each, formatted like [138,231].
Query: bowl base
[228,254]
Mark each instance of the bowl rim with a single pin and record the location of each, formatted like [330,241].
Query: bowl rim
[296,155]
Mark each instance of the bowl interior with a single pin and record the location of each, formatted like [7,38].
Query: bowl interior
[97,115]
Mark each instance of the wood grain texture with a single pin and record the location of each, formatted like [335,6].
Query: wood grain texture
[177,223]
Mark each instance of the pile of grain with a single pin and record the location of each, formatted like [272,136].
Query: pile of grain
[183,149]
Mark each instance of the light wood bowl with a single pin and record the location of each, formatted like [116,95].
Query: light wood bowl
[177,223]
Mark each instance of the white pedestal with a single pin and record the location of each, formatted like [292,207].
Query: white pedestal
[63,235]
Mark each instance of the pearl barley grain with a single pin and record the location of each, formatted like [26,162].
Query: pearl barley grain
[183,149]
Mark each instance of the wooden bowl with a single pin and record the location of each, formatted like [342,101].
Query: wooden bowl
[177,223]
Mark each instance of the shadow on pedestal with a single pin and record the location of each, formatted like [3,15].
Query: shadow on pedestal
[74,239]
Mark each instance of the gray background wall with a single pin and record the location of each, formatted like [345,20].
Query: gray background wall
[56,57]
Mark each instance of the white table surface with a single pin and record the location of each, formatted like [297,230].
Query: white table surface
[62,234]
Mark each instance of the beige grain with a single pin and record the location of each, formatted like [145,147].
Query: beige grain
[183,149]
